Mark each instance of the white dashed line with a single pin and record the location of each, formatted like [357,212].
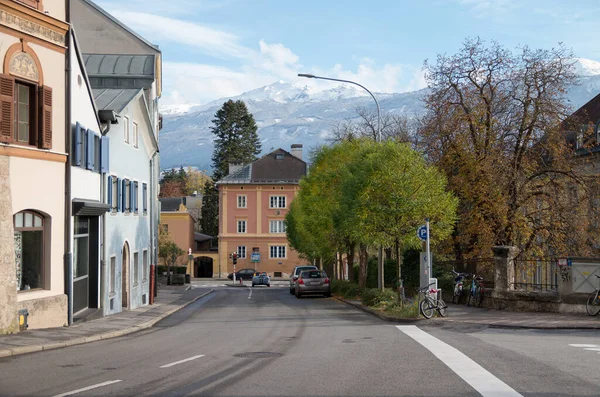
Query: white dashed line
[110,382]
[474,374]
[182,361]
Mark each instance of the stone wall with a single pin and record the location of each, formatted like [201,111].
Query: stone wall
[46,312]
[8,280]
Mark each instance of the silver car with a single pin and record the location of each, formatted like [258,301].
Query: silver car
[261,279]
[295,275]
[312,282]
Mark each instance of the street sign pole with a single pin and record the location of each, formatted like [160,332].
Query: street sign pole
[428,251]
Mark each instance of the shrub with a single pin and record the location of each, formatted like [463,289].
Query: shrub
[380,299]
[410,309]
[345,288]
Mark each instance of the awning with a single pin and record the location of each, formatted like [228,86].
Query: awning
[89,208]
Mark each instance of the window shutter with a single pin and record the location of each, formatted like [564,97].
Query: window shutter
[145,197]
[131,195]
[109,192]
[7,109]
[76,147]
[124,195]
[104,145]
[119,196]
[45,138]
[135,200]
[89,150]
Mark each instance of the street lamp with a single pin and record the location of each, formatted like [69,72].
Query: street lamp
[380,252]
[312,76]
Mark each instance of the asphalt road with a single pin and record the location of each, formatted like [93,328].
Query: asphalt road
[265,342]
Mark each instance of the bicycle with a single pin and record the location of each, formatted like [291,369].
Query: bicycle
[458,285]
[592,306]
[477,291]
[429,304]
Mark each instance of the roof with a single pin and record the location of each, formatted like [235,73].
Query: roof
[199,237]
[109,65]
[278,166]
[170,204]
[123,26]
[114,98]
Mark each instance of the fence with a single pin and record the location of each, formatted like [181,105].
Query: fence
[536,275]
[483,267]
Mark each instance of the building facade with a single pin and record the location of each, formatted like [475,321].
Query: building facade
[33,161]
[253,202]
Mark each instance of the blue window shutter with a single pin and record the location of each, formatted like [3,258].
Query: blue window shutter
[76,147]
[131,195]
[119,195]
[104,146]
[109,191]
[124,195]
[135,199]
[89,164]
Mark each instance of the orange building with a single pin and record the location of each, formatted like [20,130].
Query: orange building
[253,202]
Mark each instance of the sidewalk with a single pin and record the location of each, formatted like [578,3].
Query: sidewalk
[169,300]
[462,314]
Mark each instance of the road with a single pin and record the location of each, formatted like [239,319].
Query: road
[265,342]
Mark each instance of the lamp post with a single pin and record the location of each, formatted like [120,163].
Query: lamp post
[312,76]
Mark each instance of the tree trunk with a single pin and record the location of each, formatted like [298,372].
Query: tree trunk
[363,262]
[350,257]
[400,259]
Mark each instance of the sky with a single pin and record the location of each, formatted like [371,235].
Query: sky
[220,48]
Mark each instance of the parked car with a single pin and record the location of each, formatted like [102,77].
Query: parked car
[244,274]
[261,279]
[295,274]
[312,282]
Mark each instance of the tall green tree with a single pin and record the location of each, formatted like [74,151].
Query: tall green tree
[236,137]
[209,220]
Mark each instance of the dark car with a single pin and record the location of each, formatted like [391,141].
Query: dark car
[312,282]
[244,274]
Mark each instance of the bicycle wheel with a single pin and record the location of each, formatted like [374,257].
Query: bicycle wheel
[480,296]
[426,307]
[592,306]
[442,307]
[469,298]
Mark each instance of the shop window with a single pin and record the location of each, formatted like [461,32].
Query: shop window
[30,250]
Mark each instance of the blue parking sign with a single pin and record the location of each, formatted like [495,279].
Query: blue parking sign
[422,232]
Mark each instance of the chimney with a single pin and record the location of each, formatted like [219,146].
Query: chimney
[297,150]
[233,167]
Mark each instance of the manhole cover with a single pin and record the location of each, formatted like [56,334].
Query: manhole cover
[258,355]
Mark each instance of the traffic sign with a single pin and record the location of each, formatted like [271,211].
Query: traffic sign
[422,232]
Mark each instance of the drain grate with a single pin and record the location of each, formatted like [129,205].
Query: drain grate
[258,355]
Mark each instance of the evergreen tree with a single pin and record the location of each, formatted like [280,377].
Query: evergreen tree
[209,221]
[236,138]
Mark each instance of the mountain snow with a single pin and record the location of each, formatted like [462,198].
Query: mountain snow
[288,113]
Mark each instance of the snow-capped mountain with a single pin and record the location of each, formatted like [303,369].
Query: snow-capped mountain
[288,113]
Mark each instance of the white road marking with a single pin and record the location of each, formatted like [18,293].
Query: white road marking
[475,375]
[250,294]
[582,345]
[110,382]
[182,361]
[594,349]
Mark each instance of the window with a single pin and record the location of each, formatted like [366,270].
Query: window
[113,274]
[26,113]
[29,240]
[277,226]
[241,202]
[241,226]
[277,202]
[145,197]
[136,268]
[24,110]
[113,192]
[126,195]
[31,3]
[277,251]
[145,265]
[279,156]
[241,251]
[135,135]
[126,129]
[81,247]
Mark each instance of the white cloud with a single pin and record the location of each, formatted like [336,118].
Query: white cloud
[490,8]
[168,30]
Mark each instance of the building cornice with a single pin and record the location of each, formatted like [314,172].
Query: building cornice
[33,23]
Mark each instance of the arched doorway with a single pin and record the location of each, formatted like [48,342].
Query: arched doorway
[125,276]
[203,267]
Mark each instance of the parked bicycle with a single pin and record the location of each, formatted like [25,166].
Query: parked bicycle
[458,285]
[592,306]
[431,302]
[477,292]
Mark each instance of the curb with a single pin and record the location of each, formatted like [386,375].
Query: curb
[97,337]
[379,314]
